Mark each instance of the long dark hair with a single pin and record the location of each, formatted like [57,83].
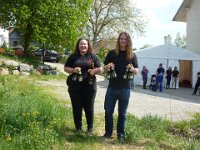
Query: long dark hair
[90,48]
[129,52]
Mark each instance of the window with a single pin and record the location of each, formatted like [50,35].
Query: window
[15,43]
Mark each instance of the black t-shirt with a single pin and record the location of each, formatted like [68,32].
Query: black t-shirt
[120,62]
[169,73]
[85,62]
[160,71]
[175,73]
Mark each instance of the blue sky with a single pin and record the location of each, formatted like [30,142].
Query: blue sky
[159,14]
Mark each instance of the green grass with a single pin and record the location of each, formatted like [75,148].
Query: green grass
[48,77]
[32,118]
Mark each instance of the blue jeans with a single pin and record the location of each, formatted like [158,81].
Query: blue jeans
[159,79]
[112,95]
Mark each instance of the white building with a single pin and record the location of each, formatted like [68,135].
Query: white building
[189,12]
[4,36]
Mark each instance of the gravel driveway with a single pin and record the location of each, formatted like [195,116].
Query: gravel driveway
[172,104]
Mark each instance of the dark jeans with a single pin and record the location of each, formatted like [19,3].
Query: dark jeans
[168,82]
[83,97]
[144,83]
[112,95]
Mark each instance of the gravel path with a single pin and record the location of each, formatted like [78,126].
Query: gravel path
[172,104]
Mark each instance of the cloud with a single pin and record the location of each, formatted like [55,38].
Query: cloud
[159,14]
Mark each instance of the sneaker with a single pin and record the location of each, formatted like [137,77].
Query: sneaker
[79,131]
[120,138]
[89,132]
[107,136]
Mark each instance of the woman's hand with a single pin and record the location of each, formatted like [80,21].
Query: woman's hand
[108,66]
[76,70]
[91,72]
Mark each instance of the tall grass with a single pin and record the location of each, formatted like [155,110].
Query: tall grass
[29,117]
[153,132]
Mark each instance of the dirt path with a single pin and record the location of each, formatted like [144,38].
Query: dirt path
[171,104]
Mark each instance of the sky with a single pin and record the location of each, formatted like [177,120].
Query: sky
[159,14]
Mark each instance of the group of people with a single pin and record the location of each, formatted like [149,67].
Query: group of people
[82,66]
[121,64]
[157,79]
[172,74]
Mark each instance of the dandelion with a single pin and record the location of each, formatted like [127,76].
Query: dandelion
[8,138]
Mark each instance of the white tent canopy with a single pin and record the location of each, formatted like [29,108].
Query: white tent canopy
[169,55]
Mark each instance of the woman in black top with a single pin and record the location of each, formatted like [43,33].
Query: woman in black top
[168,77]
[82,66]
[175,74]
[123,61]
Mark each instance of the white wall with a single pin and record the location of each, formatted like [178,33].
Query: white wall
[5,34]
[193,27]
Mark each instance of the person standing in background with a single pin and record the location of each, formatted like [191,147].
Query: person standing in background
[144,74]
[82,66]
[168,77]
[197,84]
[175,74]
[159,77]
[124,62]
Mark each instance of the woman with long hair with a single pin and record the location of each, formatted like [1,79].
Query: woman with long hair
[124,63]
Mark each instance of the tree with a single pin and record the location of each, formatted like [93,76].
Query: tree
[180,41]
[168,39]
[109,17]
[55,22]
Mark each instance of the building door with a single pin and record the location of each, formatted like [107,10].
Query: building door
[185,73]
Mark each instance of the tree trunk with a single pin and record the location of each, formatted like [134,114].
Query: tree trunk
[27,38]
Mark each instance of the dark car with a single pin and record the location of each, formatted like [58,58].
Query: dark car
[37,52]
[51,55]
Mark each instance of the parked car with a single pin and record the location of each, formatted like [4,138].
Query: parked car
[49,55]
[37,52]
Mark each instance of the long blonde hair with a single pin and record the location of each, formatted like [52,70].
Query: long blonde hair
[129,53]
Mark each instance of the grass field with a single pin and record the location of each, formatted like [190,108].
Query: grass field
[32,118]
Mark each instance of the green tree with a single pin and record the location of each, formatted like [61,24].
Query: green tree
[55,22]
[109,17]
[180,41]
